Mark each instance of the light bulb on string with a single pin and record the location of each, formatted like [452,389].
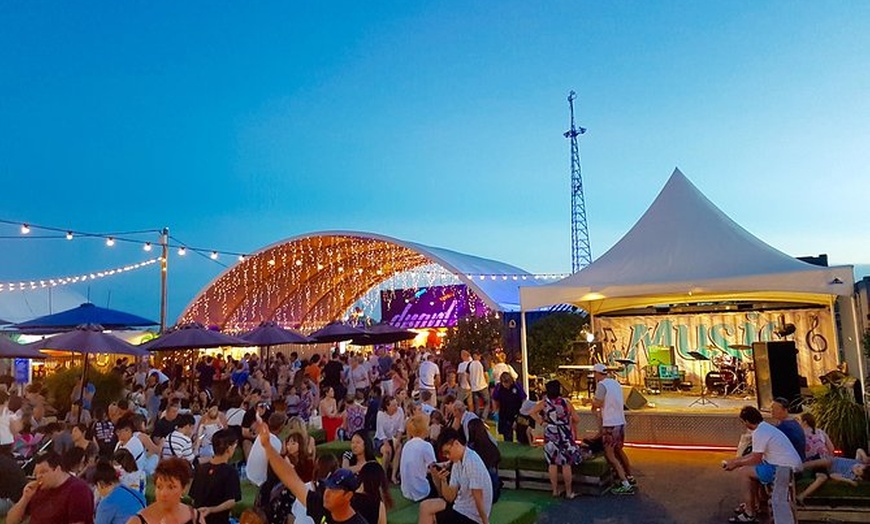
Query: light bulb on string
[110,241]
[25,229]
[147,246]
[241,258]
[214,255]
[182,251]
[69,235]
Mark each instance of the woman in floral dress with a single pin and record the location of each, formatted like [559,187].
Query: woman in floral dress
[559,420]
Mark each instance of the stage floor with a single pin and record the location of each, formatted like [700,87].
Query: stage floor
[676,419]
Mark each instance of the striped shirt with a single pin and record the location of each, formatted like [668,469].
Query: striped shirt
[177,444]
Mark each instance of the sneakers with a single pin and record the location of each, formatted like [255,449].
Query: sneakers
[623,490]
[743,517]
[631,480]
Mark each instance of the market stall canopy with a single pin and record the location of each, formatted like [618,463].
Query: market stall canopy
[685,249]
[193,336]
[271,334]
[86,313]
[88,339]
[10,349]
[337,332]
[383,333]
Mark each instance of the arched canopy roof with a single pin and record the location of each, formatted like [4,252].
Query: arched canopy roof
[312,279]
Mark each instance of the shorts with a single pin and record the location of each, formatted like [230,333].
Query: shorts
[463,394]
[765,472]
[379,443]
[613,436]
[451,516]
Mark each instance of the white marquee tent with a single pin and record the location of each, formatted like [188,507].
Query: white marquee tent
[686,250]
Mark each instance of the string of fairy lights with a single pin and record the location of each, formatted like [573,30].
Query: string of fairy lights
[31,231]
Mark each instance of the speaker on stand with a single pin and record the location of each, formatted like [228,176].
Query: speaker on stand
[632,398]
[776,372]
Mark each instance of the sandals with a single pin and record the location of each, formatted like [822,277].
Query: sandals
[570,496]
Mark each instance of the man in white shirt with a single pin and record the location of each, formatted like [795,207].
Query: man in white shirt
[479,386]
[463,393]
[257,468]
[417,456]
[770,449]
[467,497]
[178,443]
[609,399]
[429,377]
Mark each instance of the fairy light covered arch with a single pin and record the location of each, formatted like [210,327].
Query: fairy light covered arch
[312,279]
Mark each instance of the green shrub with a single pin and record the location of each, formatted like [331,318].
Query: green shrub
[843,419]
[60,385]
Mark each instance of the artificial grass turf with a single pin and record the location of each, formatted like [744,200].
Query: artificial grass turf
[833,493]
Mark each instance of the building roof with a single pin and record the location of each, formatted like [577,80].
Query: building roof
[309,280]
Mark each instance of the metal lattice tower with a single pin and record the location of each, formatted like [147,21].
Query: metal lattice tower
[581,250]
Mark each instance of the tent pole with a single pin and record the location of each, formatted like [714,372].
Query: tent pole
[82,391]
[858,339]
[164,269]
[525,350]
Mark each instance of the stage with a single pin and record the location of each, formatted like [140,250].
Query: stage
[676,419]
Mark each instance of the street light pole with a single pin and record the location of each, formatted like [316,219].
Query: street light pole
[164,267]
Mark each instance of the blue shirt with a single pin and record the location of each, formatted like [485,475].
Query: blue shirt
[796,436]
[121,504]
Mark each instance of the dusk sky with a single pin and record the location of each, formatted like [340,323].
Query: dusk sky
[241,124]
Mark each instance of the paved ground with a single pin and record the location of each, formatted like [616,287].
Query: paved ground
[685,487]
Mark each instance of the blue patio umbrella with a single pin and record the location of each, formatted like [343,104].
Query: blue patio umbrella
[383,333]
[88,339]
[336,332]
[84,314]
[193,336]
[10,349]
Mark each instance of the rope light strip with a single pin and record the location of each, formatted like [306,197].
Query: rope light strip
[62,281]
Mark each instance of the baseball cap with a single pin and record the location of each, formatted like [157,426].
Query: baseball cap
[342,479]
[599,368]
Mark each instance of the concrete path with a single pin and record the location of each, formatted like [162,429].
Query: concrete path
[682,487]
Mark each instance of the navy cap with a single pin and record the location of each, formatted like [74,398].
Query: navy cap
[342,479]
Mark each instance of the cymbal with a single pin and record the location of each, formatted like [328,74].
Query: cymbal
[624,361]
[741,347]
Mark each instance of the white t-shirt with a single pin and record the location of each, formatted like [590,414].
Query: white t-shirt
[389,426]
[503,367]
[7,417]
[257,469]
[428,372]
[775,446]
[462,375]
[417,455]
[477,376]
[613,410]
[137,449]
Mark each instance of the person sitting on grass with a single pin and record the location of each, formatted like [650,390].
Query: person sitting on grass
[333,502]
[118,502]
[839,469]
[417,456]
[465,487]
[216,487]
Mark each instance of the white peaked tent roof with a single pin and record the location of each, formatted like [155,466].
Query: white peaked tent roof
[685,249]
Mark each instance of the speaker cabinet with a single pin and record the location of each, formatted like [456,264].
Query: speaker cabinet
[776,372]
[632,398]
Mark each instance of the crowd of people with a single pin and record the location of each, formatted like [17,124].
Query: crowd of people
[412,418]
[795,444]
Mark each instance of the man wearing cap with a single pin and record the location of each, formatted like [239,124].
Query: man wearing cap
[428,377]
[791,427]
[609,399]
[333,504]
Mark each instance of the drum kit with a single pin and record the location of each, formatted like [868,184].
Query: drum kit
[732,375]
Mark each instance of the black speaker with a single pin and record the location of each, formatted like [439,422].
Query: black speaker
[632,398]
[776,372]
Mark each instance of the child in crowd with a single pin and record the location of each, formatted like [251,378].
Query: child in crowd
[845,470]
[129,473]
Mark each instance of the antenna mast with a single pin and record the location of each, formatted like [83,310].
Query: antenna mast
[581,250]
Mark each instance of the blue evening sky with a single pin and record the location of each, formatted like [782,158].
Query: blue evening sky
[238,124]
